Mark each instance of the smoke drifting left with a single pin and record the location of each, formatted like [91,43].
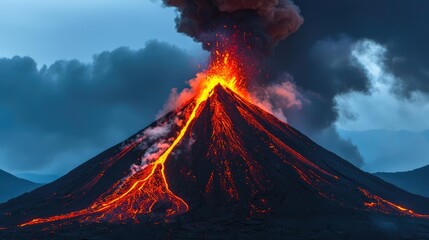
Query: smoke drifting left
[265,21]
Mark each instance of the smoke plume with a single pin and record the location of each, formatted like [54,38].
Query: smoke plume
[266,21]
[264,24]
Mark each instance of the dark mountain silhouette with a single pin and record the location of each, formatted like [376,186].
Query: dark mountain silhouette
[415,181]
[390,151]
[236,171]
[11,186]
[38,178]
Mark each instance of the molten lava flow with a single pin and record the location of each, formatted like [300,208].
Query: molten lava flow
[382,205]
[147,190]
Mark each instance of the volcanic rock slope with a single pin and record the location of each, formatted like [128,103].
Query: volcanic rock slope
[234,160]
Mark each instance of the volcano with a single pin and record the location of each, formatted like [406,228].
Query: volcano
[222,156]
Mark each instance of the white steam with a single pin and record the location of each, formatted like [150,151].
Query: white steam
[382,107]
[157,135]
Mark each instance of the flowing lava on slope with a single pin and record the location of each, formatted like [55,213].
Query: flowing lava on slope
[382,205]
[147,189]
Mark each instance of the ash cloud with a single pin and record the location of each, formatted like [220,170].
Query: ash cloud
[269,21]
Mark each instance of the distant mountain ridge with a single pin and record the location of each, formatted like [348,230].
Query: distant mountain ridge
[12,186]
[38,178]
[390,151]
[415,181]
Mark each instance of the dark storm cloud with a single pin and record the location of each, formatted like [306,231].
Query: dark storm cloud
[48,115]
[317,55]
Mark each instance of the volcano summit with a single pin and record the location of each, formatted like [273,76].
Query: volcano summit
[221,157]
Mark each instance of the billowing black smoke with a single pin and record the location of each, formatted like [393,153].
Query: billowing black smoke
[267,21]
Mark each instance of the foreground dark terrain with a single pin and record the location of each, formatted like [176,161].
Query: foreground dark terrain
[236,173]
[365,226]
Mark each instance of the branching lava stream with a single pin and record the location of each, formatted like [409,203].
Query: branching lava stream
[140,193]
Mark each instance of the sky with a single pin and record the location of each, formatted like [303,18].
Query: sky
[77,77]
[50,30]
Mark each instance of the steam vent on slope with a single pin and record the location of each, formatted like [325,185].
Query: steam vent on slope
[218,155]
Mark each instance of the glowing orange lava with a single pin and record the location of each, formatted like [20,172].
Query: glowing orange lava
[382,205]
[140,193]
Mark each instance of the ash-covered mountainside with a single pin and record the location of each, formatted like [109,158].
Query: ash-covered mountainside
[234,159]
